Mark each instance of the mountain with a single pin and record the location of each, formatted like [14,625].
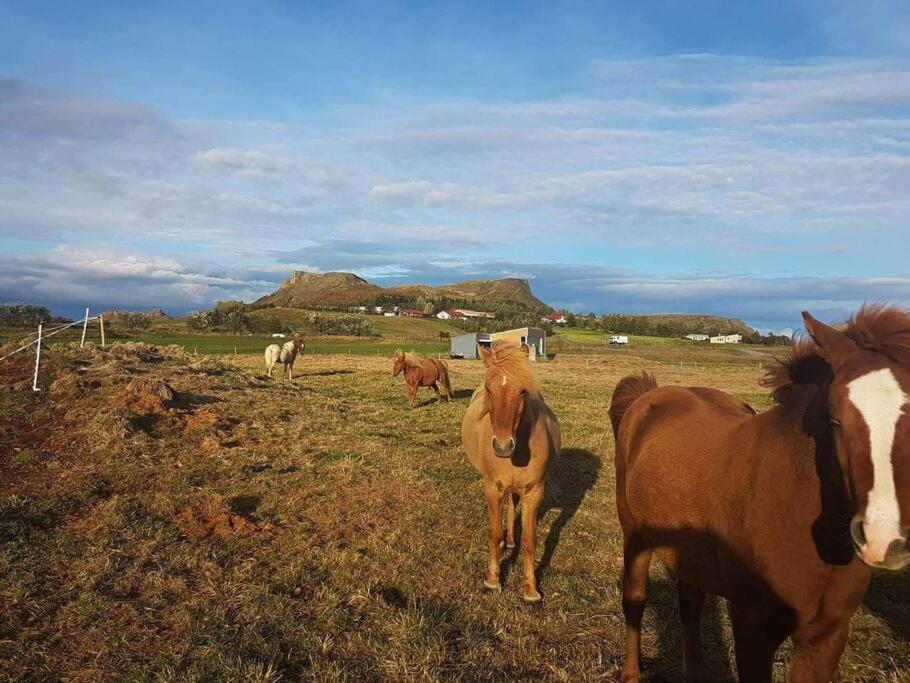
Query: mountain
[678,324]
[303,290]
[507,290]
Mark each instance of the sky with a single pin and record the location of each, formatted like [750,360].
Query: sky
[741,159]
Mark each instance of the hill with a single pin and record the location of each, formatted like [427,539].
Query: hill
[672,324]
[331,290]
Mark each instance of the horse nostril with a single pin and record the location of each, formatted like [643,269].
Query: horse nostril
[511,444]
[857,532]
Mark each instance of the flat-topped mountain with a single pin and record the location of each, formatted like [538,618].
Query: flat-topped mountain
[303,290]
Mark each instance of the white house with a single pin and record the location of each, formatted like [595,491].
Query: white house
[727,339]
[377,310]
[698,337]
[449,314]
[475,314]
[556,318]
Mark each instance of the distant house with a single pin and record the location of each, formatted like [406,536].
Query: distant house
[358,309]
[556,318]
[414,313]
[727,339]
[449,314]
[467,313]
[278,334]
[389,314]
[377,310]
[465,345]
[698,337]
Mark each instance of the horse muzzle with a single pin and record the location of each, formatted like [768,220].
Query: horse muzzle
[880,551]
[504,449]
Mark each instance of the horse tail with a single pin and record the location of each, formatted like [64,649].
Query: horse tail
[625,393]
[444,376]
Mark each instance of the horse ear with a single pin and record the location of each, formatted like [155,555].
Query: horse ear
[485,353]
[834,345]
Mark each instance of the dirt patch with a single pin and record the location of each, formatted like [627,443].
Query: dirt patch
[211,518]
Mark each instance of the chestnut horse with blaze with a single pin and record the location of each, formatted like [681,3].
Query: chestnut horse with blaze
[422,372]
[782,513]
[510,436]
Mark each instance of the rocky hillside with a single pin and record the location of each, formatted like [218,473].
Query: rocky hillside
[303,290]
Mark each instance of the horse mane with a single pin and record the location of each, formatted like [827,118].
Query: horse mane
[875,327]
[510,359]
[411,359]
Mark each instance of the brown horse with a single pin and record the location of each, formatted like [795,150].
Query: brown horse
[422,372]
[762,509]
[509,436]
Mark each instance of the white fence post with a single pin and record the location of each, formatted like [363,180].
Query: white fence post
[37,359]
[84,327]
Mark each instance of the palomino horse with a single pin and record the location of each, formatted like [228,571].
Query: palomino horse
[509,436]
[286,355]
[762,509]
[422,372]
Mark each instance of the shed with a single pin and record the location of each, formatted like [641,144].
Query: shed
[465,345]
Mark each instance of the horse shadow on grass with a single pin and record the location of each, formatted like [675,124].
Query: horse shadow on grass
[571,476]
[456,395]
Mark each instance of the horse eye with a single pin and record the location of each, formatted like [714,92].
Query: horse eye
[835,422]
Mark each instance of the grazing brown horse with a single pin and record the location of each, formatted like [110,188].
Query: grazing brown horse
[781,513]
[510,435]
[422,372]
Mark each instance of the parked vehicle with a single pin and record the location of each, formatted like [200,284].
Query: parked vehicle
[619,340]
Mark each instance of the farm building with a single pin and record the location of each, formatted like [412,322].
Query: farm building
[475,314]
[727,339]
[556,318]
[449,314]
[698,337]
[465,345]
[414,313]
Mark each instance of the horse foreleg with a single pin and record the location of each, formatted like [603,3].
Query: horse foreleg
[412,394]
[530,505]
[757,633]
[636,558]
[510,521]
[691,603]
[494,506]
[817,649]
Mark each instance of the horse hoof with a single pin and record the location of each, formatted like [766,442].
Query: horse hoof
[531,598]
[492,587]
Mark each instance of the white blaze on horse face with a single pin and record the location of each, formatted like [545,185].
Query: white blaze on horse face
[880,400]
[505,380]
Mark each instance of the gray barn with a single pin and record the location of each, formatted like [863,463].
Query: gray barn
[465,345]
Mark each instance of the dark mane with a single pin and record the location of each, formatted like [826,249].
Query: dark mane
[875,327]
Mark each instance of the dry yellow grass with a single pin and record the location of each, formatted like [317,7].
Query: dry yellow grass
[256,529]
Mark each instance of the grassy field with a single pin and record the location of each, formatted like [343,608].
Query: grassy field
[256,529]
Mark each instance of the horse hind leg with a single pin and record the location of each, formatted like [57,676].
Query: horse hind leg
[636,559]
[438,395]
[691,603]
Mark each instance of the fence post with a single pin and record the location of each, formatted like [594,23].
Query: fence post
[84,327]
[101,324]
[37,359]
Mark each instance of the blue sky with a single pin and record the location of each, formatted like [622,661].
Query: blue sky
[742,159]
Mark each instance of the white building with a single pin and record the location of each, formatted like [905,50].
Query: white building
[698,337]
[727,339]
[475,314]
